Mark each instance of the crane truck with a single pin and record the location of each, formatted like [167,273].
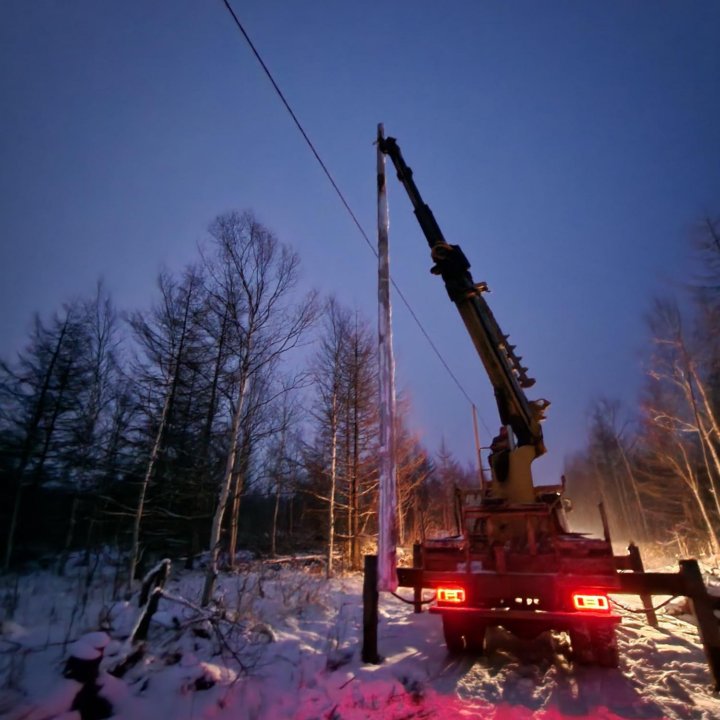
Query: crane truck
[514,561]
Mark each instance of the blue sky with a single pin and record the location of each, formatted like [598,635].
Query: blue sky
[569,147]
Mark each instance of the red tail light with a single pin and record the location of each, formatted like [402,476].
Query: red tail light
[592,603]
[451,595]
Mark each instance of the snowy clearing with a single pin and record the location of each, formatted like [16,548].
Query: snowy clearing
[285,644]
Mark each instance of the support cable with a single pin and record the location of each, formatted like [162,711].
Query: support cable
[345,203]
[414,602]
[643,611]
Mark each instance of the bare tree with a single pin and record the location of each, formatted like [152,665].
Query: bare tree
[413,469]
[329,374]
[253,278]
[679,407]
[283,457]
[169,338]
[666,472]
[613,472]
[93,429]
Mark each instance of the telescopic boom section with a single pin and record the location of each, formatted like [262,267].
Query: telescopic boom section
[507,375]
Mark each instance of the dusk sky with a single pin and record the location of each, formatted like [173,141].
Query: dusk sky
[568,147]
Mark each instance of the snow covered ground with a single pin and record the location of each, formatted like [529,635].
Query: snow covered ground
[285,644]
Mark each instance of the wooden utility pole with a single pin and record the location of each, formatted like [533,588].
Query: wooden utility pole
[387,514]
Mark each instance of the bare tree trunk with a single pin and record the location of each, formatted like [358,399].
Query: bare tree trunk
[273,546]
[692,482]
[622,495]
[419,529]
[348,476]
[280,476]
[69,536]
[216,529]
[602,489]
[445,518]
[706,441]
[401,521]
[238,488]
[636,490]
[170,397]
[354,499]
[333,483]
[14,520]
[291,516]
[135,544]
[212,403]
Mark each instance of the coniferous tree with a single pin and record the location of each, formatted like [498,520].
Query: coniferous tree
[171,338]
[39,396]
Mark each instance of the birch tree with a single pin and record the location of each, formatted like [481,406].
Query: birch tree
[253,280]
[667,472]
[329,374]
[679,407]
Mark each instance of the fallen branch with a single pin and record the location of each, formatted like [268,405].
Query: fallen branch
[155,578]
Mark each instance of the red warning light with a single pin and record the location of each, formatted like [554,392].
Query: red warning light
[451,595]
[593,603]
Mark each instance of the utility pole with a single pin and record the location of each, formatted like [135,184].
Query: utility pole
[387,514]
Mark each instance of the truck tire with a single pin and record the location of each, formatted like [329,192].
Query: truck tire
[582,644]
[604,643]
[454,637]
[475,639]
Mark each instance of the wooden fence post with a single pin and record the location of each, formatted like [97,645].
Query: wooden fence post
[370,611]
[417,590]
[703,606]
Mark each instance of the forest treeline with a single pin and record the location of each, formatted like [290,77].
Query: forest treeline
[238,412]
[654,461]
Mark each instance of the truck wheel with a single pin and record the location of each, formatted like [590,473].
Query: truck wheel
[454,638]
[475,640]
[582,644]
[604,643]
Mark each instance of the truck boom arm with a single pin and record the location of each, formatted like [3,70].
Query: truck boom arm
[507,375]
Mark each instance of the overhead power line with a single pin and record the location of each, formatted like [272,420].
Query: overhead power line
[345,203]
